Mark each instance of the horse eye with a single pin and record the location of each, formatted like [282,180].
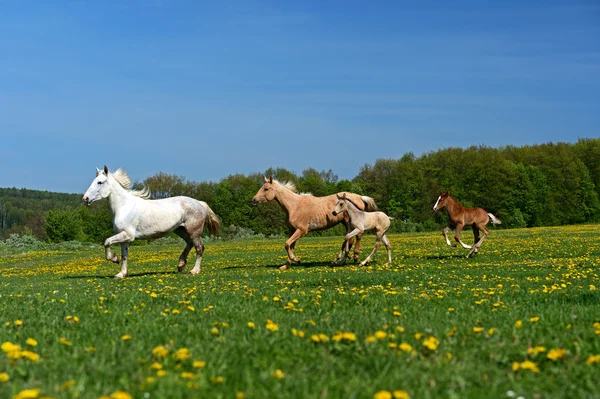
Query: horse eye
[100,182]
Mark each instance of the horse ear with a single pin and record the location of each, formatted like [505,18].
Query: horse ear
[106,170]
[271,179]
[265,180]
[98,171]
[338,196]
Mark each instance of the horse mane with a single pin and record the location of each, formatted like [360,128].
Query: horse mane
[352,202]
[125,181]
[290,186]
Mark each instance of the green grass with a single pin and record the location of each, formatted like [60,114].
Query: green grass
[545,279]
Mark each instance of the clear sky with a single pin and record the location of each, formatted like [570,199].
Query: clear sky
[206,89]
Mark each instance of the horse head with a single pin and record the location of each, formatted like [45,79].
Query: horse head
[98,189]
[441,201]
[341,205]
[265,193]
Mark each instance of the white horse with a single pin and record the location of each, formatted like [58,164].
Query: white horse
[135,216]
[362,221]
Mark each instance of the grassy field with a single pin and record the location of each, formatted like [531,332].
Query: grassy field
[521,319]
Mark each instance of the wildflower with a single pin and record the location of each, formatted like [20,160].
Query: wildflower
[278,374]
[397,314]
[405,347]
[10,349]
[518,324]
[28,394]
[251,324]
[191,308]
[214,331]
[276,299]
[529,365]
[400,329]
[418,336]
[126,337]
[160,351]
[161,373]
[400,394]
[534,319]
[431,343]
[183,354]
[217,380]
[492,331]
[592,287]
[370,338]
[380,334]
[319,338]
[535,350]
[555,354]
[187,375]
[34,357]
[383,395]
[64,341]
[240,395]
[4,377]
[18,322]
[593,359]
[271,326]
[156,366]
[199,364]
[477,329]
[67,385]
[31,342]
[120,395]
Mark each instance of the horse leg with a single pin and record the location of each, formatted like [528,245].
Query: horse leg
[459,228]
[356,247]
[445,234]
[386,242]
[124,256]
[378,240]
[475,234]
[478,244]
[121,238]
[289,247]
[197,240]
[180,231]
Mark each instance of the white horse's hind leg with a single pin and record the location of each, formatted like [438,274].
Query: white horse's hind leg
[386,242]
[199,251]
[377,244]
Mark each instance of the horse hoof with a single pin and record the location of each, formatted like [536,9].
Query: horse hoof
[120,275]
[180,269]
[194,272]
[284,267]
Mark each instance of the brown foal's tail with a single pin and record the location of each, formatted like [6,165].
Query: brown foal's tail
[212,220]
[494,219]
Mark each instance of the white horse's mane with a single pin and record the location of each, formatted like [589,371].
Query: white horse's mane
[125,181]
[290,186]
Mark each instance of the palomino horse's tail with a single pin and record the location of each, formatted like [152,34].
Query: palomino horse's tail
[212,220]
[369,203]
[494,219]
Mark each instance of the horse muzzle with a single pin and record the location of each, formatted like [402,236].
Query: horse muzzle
[334,213]
[86,201]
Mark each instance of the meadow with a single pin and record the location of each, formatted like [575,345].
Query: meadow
[519,319]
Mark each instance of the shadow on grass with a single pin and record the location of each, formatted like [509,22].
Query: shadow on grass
[296,265]
[112,277]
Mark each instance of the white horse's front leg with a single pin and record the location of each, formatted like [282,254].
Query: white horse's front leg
[445,234]
[124,256]
[121,238]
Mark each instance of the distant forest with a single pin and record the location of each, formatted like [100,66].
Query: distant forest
[541,185]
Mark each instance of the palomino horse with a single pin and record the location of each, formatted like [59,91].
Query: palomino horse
[306,213]
[361,221]
[460,217]
[137,217]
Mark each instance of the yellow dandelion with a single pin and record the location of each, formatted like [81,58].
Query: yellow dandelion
[160,351]
[216,380]
[156,366]
[529,365]
[28,394]
[400,394]
[65,341]
[518,324]
[383,395]
[183,354]
[278,374]
[199,364]
[161,373]
[214,331]
[535,350]
[240,395]
[431,343]
[31,342]
[370,338]
[380,334]
[187,375]
[18,322]
[271,326]
[405,347]
[4,377]
[126,337]
[120,395]
[593,359]
[477,329]
[534,319]
[251,324]
[32,356]
[555,354]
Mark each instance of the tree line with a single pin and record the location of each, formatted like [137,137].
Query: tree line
[540,185]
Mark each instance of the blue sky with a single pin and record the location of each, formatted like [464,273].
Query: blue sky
[208,89]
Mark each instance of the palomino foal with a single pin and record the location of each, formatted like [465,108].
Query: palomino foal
[305,213]
[361,221]
[459,217]
[135,216]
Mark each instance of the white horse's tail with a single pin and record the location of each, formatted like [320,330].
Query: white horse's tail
[494,219]
[370,204]
[212,220]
